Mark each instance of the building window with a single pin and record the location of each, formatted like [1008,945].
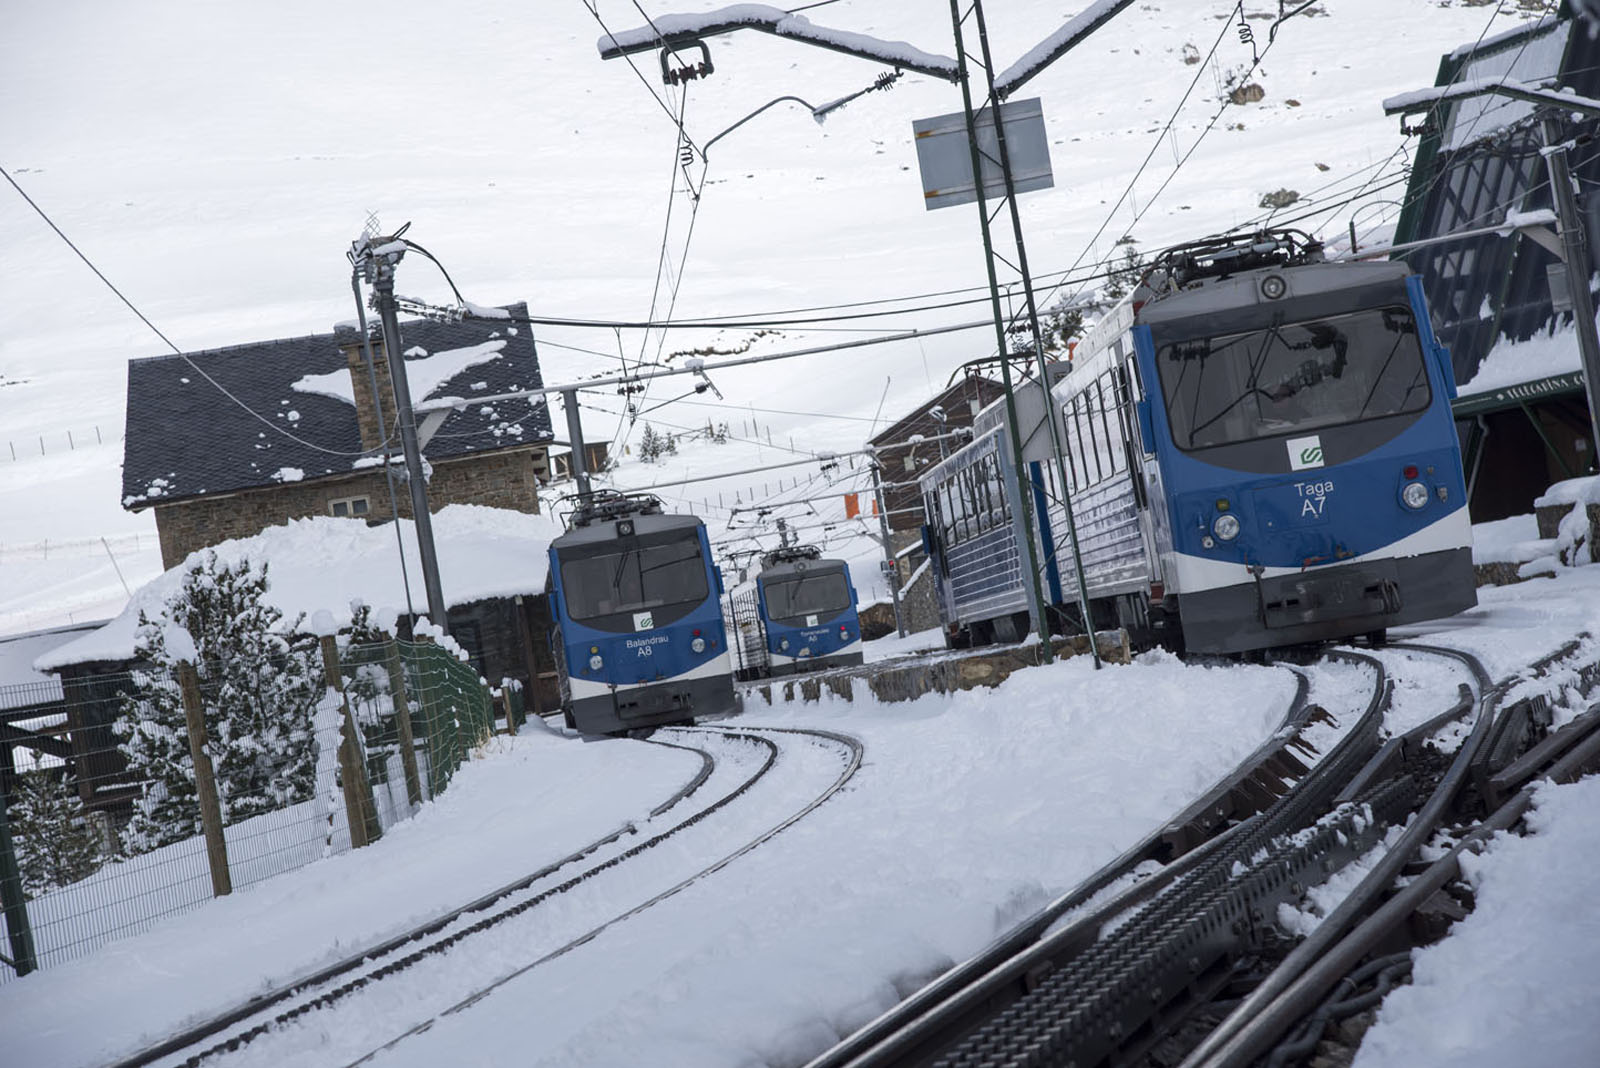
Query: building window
[349,506]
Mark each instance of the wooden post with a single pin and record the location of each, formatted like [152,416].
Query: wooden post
[505,698]
[402,720]
[530,652]
[205,780]
[359,810]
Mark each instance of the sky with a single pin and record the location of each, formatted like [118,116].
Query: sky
[215,166]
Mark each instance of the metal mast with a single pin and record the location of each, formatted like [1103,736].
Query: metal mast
[1009,200]
[377,257]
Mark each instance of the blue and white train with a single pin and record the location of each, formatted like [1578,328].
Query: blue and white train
[808,611]
[637,604]
[1259,452]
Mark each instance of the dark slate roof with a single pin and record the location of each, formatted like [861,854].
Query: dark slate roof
[185,438]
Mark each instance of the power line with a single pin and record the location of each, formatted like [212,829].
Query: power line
[180,353]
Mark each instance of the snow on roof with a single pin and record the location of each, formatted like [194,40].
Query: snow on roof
[323,563]
[424,373]
[1511,363]
[27,685]
[1584,490]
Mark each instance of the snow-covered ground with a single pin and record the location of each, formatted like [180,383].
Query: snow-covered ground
[215,163]
[971,809]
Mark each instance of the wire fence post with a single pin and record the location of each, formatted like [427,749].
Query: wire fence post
[511,719]
[205,782]
[402,719]
[359,809]
[13,900]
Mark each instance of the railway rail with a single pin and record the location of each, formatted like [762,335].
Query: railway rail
[324,989]
[1187,966]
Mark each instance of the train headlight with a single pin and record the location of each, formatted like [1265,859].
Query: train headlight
[1273,286]
[1415,494]
[698,645]
[1226,526]
[783,643]
[595,663]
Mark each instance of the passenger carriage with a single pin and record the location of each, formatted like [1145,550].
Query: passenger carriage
[1258,449]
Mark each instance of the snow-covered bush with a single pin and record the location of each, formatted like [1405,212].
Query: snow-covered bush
[259,689]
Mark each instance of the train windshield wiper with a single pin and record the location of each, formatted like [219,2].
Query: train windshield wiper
[622,562]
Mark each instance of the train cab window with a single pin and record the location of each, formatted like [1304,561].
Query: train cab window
[661,575]
[1294,377]
[793,597]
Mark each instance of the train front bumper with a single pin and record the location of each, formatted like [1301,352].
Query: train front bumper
[1328,603]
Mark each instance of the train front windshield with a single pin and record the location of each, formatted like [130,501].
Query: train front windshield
[607,587]
[1289,378]
[823,595]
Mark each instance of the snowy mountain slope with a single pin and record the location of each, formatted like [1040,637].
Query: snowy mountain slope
[215,163]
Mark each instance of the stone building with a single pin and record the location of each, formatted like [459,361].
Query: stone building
[226,442]
[906,449]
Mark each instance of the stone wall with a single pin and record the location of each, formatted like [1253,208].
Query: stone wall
[909,678]
[505,479]
[1551,515]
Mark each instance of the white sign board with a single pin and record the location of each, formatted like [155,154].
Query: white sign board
[945,160]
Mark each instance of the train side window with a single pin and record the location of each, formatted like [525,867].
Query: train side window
[975,488]
[974,511]
[963,505]
[1115,457]
[1069,454]
[1124,403]
[992,497]
[1081,470]
[1091,401]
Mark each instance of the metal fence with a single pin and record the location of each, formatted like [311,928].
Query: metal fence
[36,445]
[104,826]
[747,637]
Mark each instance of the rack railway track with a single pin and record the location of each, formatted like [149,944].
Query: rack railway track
[326,988]
[1187,966]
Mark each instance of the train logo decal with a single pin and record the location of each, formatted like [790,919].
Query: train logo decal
[1305,452]
[644,620]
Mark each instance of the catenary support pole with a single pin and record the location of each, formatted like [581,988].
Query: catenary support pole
[1022,489]
[382,279]
[1576,256]
[893,573]
[580,468]
[1031,304]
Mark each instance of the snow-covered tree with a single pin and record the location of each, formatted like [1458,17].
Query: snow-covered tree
[56,845]
[259,691]
[652,445]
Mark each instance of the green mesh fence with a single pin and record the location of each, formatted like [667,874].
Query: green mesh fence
[451,710]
